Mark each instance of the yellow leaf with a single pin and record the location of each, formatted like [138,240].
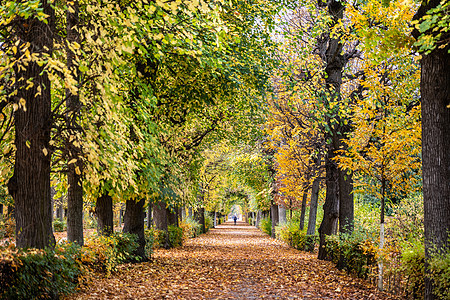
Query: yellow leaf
[72,161]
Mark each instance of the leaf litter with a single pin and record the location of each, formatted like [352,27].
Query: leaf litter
[231,262]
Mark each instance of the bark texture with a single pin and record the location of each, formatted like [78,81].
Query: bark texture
[134,223]
[303,210]
[172,217]
[330,207]
[346,203]
[104,213]
[435,93]
[313,207]
[160,220]
[33,207]
[282,214]
[274,217]
[199,216]
[74,177]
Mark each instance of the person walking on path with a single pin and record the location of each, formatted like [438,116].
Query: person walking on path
[235,219]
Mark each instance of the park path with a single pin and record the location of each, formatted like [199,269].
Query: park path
[231,262]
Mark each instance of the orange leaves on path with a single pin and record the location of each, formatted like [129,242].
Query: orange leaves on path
[231,262]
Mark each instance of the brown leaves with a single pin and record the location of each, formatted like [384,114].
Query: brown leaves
[231,262]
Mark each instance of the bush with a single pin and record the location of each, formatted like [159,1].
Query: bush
[175,236]
[7,228]
[291,234]
[440,272]
[151,241]
[356,253]
[209,222]
[105,253]
[413,268]
[157,238]
[59,226]
[266,226]
[191,228]
[33,273]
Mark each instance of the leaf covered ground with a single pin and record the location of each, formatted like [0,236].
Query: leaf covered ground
[231,262]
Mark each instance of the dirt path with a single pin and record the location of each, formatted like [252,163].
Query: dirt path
[231,262]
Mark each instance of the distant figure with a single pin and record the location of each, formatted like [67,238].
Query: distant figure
[235,219]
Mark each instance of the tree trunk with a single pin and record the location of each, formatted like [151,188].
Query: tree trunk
[74,177]
[303,211]
[172,217]
[282,214]
[258,218]
[149,215]
[199,216]
[134,223]
[435,94]
[190,212]
[104,212]
[160,220]
[160,215]
[274,217]
[330,208]
[313,207]
[32,197]
[346,203]
[335,63]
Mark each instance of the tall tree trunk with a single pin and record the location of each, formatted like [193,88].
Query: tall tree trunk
[346,203]
[274,217]
[435,94]
[313,207]
[303,210]
[199,216]
[149,215]
[330,208]
[160,219]
[134,223]
[74,177]
[335,63]
[32,197]
[60,213]
[282,214]
[258,218]
[190,212]
[104,213]
[172,217]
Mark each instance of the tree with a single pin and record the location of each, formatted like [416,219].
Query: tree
[435,98]
[31,43]
[73,141]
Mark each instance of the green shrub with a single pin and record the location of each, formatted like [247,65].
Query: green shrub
[33,273]
[209,222]
[59,226]
[157,238]
[105,253]
[413,268]
[356,253]
[175,236]
[191,228]
[291,234]
[440,273]
[266,226]
[150,241]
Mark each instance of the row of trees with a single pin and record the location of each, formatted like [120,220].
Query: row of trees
[114,101]
[155,102]
[348,107]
